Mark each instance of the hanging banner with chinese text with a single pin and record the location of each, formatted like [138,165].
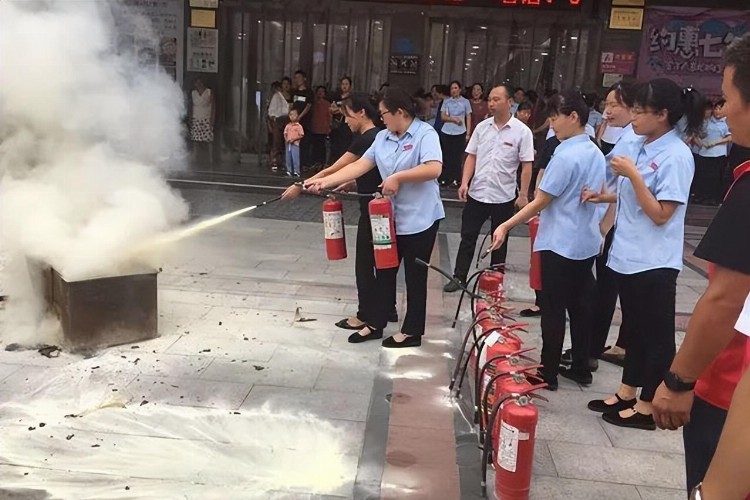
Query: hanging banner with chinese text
[687,45]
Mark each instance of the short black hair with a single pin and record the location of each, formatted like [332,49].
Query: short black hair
[737,56]
[525,105]
[517,89]
[509,91]
[395,98]
[320,87]
[460,86]
[300,72]
[276,85]
[720,102]
[564,103]
[348,79]
[286,79]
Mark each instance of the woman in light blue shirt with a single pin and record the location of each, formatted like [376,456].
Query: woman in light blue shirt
[456,115]
[652,193]
[710,153]
[409,159]
[568,239]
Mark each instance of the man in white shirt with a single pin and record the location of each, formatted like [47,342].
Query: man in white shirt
[497,147]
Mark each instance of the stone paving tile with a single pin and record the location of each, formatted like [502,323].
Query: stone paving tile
[7,369]
[635,467]
[325,404]
[284,369]
[181,391]
[543,463]
[568,427]
[170,365]
[661,493]
[333,378]
[558,488]
[226,347]
[659,441]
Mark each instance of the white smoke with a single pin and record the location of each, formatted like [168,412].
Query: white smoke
[85,137]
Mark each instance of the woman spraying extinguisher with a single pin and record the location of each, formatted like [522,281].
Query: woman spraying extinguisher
[361,116]
[409,160]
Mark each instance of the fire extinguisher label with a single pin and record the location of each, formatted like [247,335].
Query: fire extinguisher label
[508,447]
[381,231]
[333,222]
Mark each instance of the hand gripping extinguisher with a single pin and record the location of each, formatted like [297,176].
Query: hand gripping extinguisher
[333,224]
[383,233]
[535,269]
[509,442]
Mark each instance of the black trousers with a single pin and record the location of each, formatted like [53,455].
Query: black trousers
[453,147]
[410,246]
[648,306]
[474,215]
[318,147]
[605,303]
[305,149]
[364,270]
[566,286]
[707,184]
[340,138]
[701,437]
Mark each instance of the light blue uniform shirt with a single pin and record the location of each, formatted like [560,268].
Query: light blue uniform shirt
[514,108]
[566,226]
[628,144]
[639,245]
[716,130]
[595,118]
[458,107]
[417,206]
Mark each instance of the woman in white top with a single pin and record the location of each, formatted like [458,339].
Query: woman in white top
[202,117]
[278,109]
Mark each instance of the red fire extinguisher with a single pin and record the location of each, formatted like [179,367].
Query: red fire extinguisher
[490,283]
[535,270]
[333,224]
[510,438]
[383,233]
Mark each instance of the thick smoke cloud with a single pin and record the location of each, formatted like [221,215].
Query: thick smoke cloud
[86,135]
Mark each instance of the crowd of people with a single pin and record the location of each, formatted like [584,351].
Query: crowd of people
[611,190]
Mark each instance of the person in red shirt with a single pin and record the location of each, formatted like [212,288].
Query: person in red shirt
[698,388]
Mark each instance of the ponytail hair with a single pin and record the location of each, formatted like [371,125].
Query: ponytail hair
[395,98]
[360,101]
[623,93]
[662,94]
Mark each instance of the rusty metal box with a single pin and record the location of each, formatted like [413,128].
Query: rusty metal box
[106,311]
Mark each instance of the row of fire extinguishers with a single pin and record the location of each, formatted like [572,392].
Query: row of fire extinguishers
[503,378]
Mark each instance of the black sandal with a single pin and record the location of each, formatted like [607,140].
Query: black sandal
[635,421]
[356,338]
[344,323]
[600,405]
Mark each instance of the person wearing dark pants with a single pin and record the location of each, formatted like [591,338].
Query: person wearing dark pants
[409,160]
[648,301]
[700,438]
[711,156]
[567,286]
[652,194]
[456,117]
[568,237]
[488,186]
[410,247]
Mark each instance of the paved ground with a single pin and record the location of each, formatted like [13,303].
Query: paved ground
[236,399]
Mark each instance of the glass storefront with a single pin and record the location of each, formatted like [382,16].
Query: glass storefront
[262,41]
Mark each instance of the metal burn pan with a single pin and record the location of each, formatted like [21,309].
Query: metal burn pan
[106,311]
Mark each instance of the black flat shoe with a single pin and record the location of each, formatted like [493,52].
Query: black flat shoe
[356,338]
[411,341]
[344,323]
[615,359]
[579,376]
[551,381]
[567,359]
[636,421]
[599,405]
[530,313]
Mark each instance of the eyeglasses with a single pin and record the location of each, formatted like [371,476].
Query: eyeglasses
[383,113]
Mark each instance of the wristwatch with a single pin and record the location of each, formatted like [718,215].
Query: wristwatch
[676,384]
[697,493]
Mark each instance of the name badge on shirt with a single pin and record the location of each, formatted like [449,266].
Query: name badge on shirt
[300,98]
[408,147]
[509,144]
[654,166]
